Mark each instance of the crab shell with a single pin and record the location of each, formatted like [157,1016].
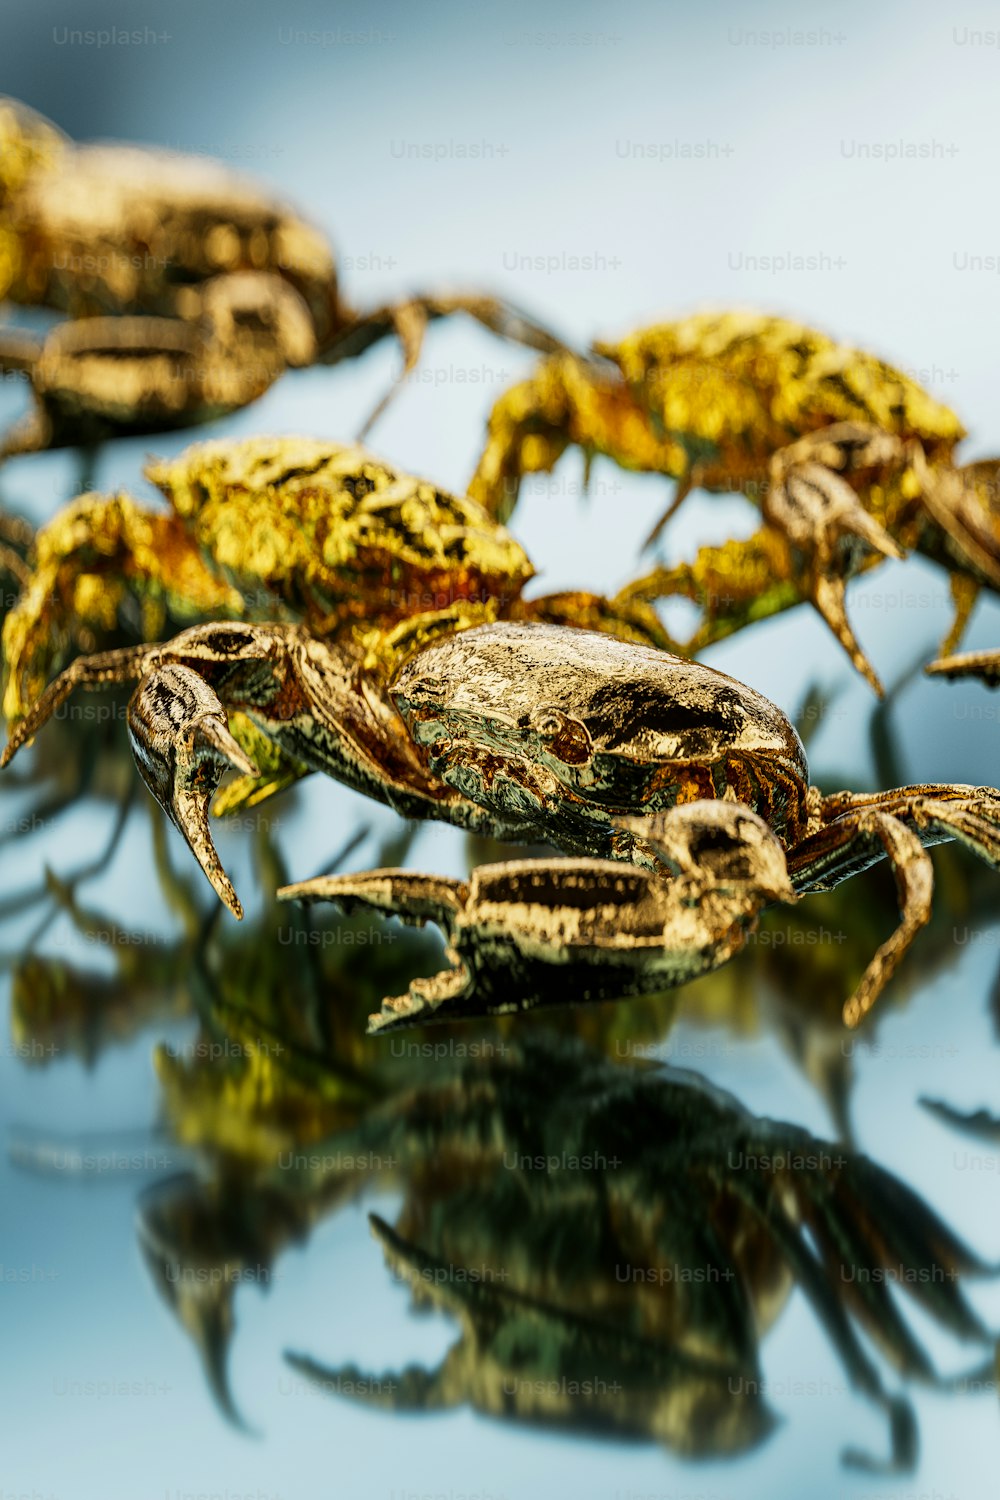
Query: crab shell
[740,385]
[564,729]
[331,530]
[28,143]
[119,229]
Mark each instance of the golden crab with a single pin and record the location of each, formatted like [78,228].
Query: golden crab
[614,752]
[849,460]
[192,289]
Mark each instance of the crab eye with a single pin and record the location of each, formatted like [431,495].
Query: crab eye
[547,723]
[564,737]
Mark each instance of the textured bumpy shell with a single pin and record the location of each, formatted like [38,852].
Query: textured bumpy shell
[754,382]
[97,559]
[330,529]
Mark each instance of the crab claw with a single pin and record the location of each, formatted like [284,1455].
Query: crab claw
[828,597]
[816,509]
[415,899]
[717,845]
[182,745]
[823,520]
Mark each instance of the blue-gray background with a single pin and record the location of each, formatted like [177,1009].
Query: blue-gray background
[677,156]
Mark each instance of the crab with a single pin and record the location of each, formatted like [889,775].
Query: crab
[682,794]
[285,528]
[192,289]
[849,460]
[682,1176]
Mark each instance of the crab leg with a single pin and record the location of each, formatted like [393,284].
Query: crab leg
[863,838]
[692,1401]
[19,354]
[567,402]
[11,562]
[825,523]
[982,664]
[965,593]
[408,322]
[532,933]
[936,812]
[19,351]
[961,502]
[817,510]
[410,1390]
[895,825]
[414,899]
[102,670]
[747,580]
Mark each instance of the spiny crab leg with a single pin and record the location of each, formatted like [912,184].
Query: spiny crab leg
[12,563]
[821,517]
[408,322]
[828,594]
[896,825]
[415,899]
[982,664]
[529,933]
[98,671]
[879,833]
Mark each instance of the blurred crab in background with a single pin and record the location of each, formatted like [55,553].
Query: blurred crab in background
[273,528]
[191,289]
[849,460]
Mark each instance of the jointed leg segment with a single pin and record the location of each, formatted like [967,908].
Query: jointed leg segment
[859,830]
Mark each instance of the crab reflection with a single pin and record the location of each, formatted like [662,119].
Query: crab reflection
[613,1260]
